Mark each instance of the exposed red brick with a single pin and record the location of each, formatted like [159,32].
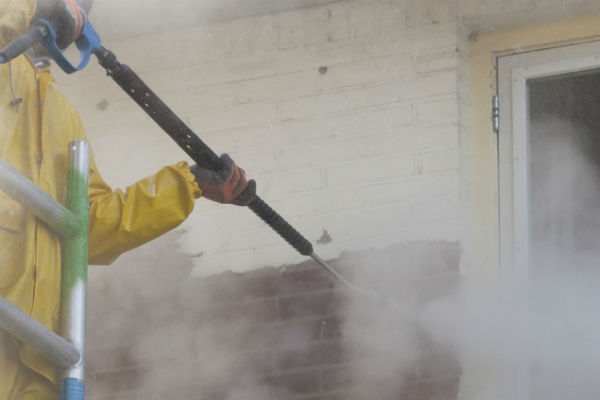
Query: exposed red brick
[296,383]
[319,354]
[229,287]
[439,390]
[282,327]
[329,396]
[337,378]
[111,358]
[286,333]
[306,305]
[118,380]
[248,313]
[295,280]
[412,391]
[331,328]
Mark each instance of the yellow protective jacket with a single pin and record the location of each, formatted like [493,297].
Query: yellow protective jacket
[33,138]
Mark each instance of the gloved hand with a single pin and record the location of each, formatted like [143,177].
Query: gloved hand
[226,185]
[63,14]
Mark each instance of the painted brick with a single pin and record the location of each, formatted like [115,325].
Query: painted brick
[437,60]
[439,110]
[340,27]
[442,208]
[368,171]
[435,137]
[307,81]
[292,182]
[360,18]
[438,161]
[385,68]
[429,12]
[432,84]
[318,154]
[315,26]
[245,115]
[380,118]
[413,40]
[320,54]
[289,30]
[338,101]
[252,36]
[407,188]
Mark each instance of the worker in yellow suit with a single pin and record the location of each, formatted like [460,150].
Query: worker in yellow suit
[36,125]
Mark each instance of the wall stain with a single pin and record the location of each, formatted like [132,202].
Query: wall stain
[325,238]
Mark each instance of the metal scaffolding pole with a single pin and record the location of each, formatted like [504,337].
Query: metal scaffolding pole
[28,330]
[55,215]
[71,224]
[74,274]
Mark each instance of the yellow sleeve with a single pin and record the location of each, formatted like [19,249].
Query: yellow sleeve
[122,220]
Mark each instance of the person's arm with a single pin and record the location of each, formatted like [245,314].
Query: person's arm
[122,220]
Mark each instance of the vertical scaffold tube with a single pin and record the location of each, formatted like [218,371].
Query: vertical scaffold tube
[74,276]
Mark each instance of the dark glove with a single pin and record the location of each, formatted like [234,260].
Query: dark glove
[226,185]
[65,15]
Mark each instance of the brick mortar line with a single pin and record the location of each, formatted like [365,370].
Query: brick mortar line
[163,362]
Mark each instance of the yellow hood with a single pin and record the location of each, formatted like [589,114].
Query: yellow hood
[14,18]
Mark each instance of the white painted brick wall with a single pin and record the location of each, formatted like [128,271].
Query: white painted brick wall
[367,150]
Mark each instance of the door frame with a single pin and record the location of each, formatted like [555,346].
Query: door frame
[513,72]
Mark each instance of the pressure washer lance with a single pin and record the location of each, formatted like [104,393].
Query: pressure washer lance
[205,157]
[45,31]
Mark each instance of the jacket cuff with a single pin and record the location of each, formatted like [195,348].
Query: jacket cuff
[184,168]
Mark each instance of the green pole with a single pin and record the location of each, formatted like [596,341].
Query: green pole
[74,273]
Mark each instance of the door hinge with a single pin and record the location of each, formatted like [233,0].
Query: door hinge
[496,114]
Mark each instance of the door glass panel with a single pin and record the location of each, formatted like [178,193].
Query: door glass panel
[564,225]
[564,168]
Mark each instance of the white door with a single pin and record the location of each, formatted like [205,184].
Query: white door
[549,186]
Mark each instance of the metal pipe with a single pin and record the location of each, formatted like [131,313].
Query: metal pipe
[378,297]
[343,280]
[43,206]
[75,256]
[23,327]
